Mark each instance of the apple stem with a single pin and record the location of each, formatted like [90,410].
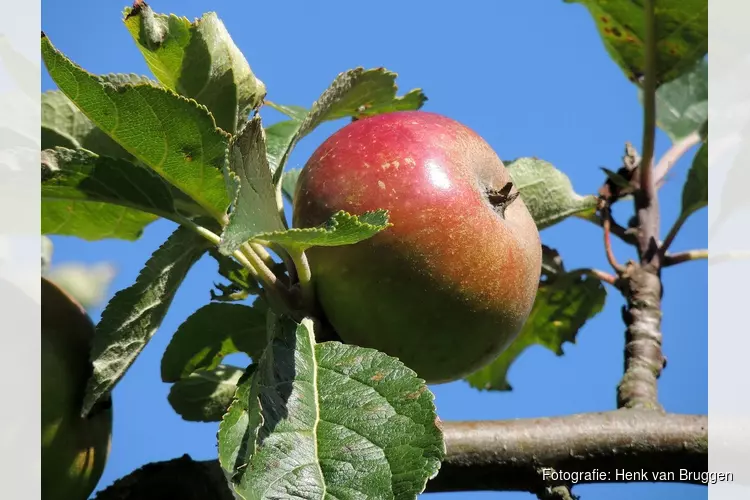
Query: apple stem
[500,199]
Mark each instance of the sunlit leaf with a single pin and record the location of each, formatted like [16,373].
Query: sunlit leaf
[171,134]
[341,229]
[197,59]
[255,208]
[547,192]
[355,423]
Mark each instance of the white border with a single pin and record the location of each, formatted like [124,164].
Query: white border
[729,233]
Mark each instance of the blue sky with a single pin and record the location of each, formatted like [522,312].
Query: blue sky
[533,79]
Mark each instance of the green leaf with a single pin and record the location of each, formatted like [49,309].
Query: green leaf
[63,124]
[279,138]
[81,176]
[134,314]
[197,60]
[92,221]
[255,208]
[681,34]
[547,192]
[241,284]
[341,229]
[563,304]
[289,183]
[357,93]
[204,396]
[360,93]
[682,104]
[695,191]
[356,423]
[87,283]
[239,426]
[211,333]
[297,113]
[169,133]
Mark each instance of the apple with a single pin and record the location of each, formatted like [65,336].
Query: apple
[449,285]
[74,449]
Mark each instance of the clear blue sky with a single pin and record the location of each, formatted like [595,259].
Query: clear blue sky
[533,79]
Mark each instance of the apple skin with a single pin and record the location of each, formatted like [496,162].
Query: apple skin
[74,449]
[451,283]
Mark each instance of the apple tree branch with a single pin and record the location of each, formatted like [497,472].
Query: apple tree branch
[513,455]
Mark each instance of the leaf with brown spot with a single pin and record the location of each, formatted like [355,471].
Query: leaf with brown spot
[681,34]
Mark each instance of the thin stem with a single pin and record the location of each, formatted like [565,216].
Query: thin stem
[606,224]
[646,200]
[197,228]
[598,274]
[263,254]
[288,262]
[672,234]
[680,257]
[305,279]
[216,240]
[277,293]
[265,274]
[280,202]
[615,228]
[247,257]
[672,156]
[649,103]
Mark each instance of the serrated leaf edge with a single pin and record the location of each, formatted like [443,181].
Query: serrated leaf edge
[92,384]
[124,86]
[330,225]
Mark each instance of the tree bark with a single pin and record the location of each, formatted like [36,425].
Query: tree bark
[644,361]
[514,455]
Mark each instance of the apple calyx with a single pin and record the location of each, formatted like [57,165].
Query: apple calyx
[501,199]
